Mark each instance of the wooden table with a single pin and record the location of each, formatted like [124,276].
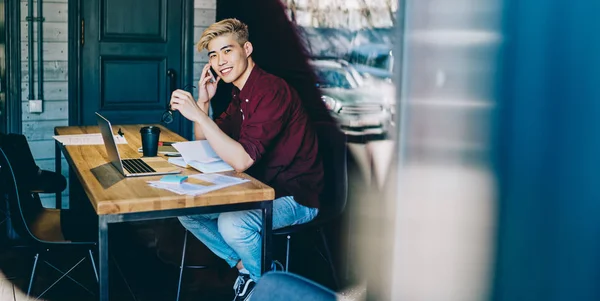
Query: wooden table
[118,199]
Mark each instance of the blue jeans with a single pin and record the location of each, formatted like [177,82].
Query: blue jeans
[236,236]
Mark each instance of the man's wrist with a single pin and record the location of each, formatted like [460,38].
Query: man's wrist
[202,117]
[203,106]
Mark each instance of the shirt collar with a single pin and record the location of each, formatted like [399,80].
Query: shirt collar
[246,91]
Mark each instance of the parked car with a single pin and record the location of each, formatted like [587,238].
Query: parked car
[373,60]
[374,35]
[360,107]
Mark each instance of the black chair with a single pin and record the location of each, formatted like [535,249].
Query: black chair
[37,181]
[184,266]
[275,286]
[332,147]
[38,228]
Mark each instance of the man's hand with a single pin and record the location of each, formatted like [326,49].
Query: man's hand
[184,102]
[207,85]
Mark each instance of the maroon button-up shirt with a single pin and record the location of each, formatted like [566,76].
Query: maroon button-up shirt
[267,118]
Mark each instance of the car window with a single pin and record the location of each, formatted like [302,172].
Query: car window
[381,62]
[335,78]
[377,60]
[358,58]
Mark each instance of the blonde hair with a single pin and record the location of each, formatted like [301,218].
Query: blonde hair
[226,26]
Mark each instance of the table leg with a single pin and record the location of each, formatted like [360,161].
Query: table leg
[267,227]
[58,169]
[103,257]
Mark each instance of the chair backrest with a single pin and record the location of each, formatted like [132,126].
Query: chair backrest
[16,197]
[26,172]
[17,150]
[332,147]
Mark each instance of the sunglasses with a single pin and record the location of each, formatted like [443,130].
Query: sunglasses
[167,116]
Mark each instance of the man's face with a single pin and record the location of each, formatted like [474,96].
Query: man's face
[227,57]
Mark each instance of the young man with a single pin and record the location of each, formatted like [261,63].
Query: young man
[264,132]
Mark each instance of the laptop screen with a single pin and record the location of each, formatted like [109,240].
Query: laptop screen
[109,142]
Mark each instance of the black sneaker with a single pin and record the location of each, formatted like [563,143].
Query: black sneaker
[243,287]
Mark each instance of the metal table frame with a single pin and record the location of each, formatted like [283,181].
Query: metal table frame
[105,219]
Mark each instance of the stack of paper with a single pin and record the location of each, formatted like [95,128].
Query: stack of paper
[86,139]
[199,184]
[199,155]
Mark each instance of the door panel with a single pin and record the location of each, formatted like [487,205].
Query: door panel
[129,46]
[128,21]
[143,88]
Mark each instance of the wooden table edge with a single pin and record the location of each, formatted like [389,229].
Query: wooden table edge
[105,208]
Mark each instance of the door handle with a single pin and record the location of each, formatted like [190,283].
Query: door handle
[172,75]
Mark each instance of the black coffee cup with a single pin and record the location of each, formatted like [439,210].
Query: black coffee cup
[150,135]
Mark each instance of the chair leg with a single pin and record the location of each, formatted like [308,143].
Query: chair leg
[182,264]
[329,258]
[69,277]
[63,276]
[37,256]
[93,265]
[287,254]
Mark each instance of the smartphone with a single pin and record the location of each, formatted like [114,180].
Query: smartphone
[213,74]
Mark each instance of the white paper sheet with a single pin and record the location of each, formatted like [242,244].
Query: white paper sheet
[178,161]
[199,155]
[86,139]
[219,179]
[217,182]
[198,150]
[211,167]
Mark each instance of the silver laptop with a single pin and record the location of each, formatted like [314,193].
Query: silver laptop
[131,167]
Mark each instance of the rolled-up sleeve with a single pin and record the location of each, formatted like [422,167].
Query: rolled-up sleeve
[268,114]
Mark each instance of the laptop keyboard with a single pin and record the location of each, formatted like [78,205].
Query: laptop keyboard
[134,166]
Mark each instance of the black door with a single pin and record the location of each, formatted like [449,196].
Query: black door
[131,59]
